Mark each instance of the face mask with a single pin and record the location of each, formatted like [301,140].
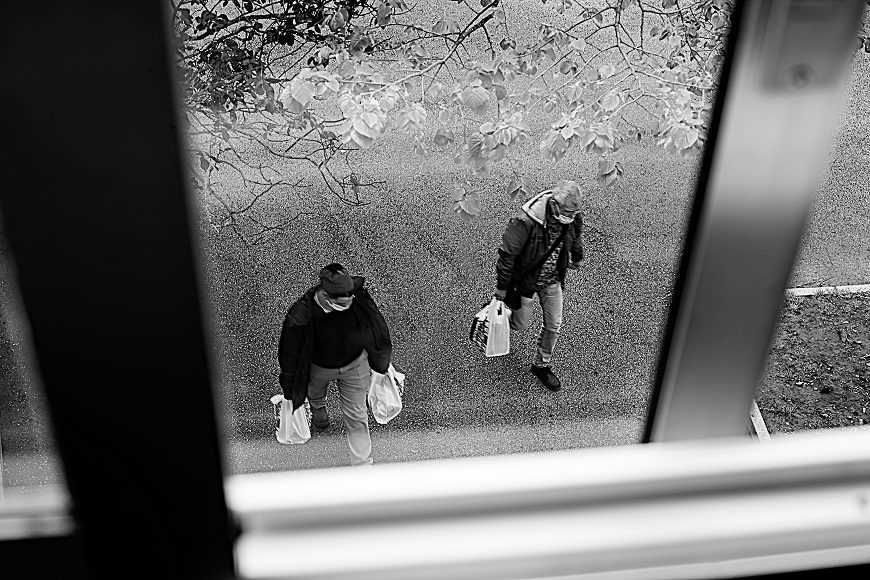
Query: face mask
[337,306]
[561,217]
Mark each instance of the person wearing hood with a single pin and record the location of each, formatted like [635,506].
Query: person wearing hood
[537,249]
[335,332]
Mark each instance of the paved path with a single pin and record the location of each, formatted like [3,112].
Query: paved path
[329,449]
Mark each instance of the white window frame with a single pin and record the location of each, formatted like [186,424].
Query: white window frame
[678,507]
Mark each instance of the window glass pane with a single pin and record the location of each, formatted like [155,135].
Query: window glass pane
[27,453]
[403,154]
[818,369]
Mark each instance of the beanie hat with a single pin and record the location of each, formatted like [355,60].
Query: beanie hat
[568,195]
[335,280]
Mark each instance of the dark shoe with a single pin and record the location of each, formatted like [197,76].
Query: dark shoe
[546,376]
[320,418]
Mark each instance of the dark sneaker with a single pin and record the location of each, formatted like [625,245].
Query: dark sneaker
[546,376]
[320,418]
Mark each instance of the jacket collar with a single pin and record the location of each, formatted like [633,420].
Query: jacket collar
[536,208]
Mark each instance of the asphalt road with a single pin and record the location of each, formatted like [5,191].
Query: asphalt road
[430,272]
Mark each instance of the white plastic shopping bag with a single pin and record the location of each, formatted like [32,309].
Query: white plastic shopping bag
[385,396]
[491,329]
[498,341]
[291,427]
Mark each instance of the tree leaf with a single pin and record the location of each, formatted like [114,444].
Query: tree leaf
[337,22]
[513,188]
[360,126]
[301,92]
[443,137]
[402,120]
[358,44]
[330,81]
[504,136]
[474,146]
[498,153]
[470,205]
[610,101]
[346,69]
[609,172]
[518,188]
[606,165]
[476,99]
[360,139]
[606,71]
[383,15]
[578,44]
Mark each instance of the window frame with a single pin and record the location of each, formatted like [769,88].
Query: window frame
[189,525]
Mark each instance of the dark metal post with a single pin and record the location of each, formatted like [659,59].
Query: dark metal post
[96,214]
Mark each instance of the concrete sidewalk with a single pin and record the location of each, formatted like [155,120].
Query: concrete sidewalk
[329,449]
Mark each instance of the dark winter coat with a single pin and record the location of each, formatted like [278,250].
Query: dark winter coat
[525,241]
[297,338]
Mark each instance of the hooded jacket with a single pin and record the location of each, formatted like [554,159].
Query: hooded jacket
[297,338]
[525,241]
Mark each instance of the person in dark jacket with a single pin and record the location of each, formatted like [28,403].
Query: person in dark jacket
[525,242]
[335,331]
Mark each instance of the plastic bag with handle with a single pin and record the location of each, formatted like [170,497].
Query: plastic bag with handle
[498,340]
[291,427]
[385,395]
[490,329]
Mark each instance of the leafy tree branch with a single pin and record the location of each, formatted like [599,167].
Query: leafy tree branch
[313,81]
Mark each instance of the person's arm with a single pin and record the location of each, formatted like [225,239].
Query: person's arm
[289,349]
[512,242]
[381,353]
[576,249]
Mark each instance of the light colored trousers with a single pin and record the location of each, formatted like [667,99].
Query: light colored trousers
[353,386]
[551,307]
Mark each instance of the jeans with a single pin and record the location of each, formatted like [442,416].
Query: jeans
[551,307]
[353,386]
